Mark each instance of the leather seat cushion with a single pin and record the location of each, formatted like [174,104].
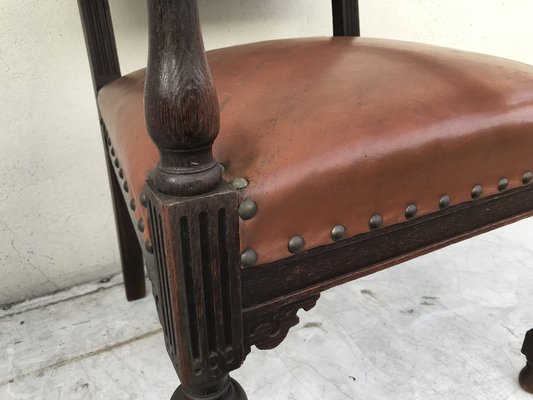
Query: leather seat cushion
[331,131]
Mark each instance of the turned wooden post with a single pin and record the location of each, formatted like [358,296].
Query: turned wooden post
[181,107]
[192,212]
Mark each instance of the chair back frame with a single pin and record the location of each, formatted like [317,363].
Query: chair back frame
[100,41]
[103,60]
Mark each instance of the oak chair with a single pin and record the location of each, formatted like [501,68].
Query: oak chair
[335,158]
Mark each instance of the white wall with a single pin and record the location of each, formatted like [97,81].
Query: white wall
[56,223]
[498,27]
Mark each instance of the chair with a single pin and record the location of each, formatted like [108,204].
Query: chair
[314,162]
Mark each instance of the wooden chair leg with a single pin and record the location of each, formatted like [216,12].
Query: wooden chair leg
[131,257]
[197,289]
[526,376]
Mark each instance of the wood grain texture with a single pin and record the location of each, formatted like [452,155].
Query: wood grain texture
[345,17]
[198,282]
[103,60]
[181,107]
[100,41]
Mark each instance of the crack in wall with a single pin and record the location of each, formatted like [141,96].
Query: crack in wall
[26,260]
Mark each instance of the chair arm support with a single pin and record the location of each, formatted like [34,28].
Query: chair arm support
[181,106]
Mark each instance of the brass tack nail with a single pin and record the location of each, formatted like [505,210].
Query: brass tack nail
[477,191]
[108,140]
[132,204]
[527,177]
[239,183]
[296,244]
[121,173]
[338,232]
[410,211]
[502,185]
[249,258]
[444,201]
[247,209]
[117,163]
[143,199]
[148,246]
[126,187]
[113,152]
[375,221]
[140,225]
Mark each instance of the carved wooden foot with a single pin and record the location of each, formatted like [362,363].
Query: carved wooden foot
[222,389]
[526,376]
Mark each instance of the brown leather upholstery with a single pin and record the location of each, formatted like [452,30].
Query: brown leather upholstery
[333,130]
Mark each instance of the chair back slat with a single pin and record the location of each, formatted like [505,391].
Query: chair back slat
[345,17]
[100,41]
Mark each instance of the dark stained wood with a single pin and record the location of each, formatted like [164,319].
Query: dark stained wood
[319,269]
[197,269]
[267,328]
[526,376]
[131,256]
[181,106]
[100,41]
[122,184]
[224,388]
[103,59]
[345,17]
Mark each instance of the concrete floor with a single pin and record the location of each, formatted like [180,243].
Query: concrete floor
[448,325]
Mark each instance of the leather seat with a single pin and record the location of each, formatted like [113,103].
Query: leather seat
[330,131]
